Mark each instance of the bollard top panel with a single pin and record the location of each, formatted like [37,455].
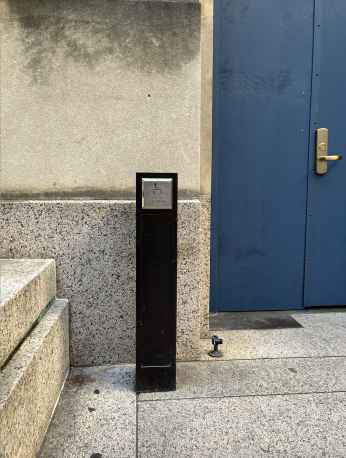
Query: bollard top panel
[157,193]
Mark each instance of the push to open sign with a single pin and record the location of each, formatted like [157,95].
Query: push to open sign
[157,193]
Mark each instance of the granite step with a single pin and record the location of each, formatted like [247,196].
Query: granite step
[27,287]
[31,383]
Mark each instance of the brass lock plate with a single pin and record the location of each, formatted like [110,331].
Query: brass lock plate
[321,150]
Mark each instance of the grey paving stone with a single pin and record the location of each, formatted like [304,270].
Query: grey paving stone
[321,319]
[308,425]
[255,377]
[330,327]
[328,309]
[95,416]
[322,335]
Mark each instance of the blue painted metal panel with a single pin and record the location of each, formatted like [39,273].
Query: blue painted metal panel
[325,267]
[262,85]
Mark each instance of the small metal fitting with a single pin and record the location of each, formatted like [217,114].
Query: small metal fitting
[216,342]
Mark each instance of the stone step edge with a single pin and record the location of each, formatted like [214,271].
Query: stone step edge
[14,370]
[22,310]
[32,383]
[28,334]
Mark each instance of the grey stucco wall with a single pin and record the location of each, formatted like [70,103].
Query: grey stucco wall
[207,12]
[93,91]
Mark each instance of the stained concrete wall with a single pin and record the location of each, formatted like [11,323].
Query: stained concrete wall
[207,27]
[94,91]
[207,18]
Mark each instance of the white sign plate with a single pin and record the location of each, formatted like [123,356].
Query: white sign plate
[157,193]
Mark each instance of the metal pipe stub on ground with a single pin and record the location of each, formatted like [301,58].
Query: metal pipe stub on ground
[156,281]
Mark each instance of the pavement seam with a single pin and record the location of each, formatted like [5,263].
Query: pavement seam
[217,360]
[242,396]
[103,365]
[211,360]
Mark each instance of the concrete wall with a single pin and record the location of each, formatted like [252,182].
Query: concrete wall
[94,91]
[205,161]
[207,12]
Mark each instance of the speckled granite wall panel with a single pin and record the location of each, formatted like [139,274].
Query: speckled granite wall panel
[93,244]
[204,265]
[188,326]
[31,383]
[27,287]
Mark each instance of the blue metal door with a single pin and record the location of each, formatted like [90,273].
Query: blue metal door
[263,156]
[325,266]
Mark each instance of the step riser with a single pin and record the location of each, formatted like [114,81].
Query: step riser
[31,383]
[27,287]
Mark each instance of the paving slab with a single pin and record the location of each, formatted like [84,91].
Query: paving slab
[307,425]
[321,320]
[206,379]
[27,287]
[95,416]
[336,309]
[321,335]
[331,327]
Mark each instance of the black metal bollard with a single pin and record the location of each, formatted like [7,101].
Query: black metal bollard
[156,281]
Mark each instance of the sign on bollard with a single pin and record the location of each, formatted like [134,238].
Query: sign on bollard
[156,281]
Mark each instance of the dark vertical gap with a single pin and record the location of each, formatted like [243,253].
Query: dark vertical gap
[136,425]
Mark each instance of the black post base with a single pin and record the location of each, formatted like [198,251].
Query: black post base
[155,379]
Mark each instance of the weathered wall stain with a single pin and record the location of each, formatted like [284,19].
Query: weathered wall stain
[224,242]
[147,36]
[243,11]
[227,244]
[244,253]
[85,193]
[238,12]
[236,80]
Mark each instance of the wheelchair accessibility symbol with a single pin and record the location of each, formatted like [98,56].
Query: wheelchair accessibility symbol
[157,191]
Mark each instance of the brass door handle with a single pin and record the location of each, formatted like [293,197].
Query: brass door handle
[322,157]
[330,158]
